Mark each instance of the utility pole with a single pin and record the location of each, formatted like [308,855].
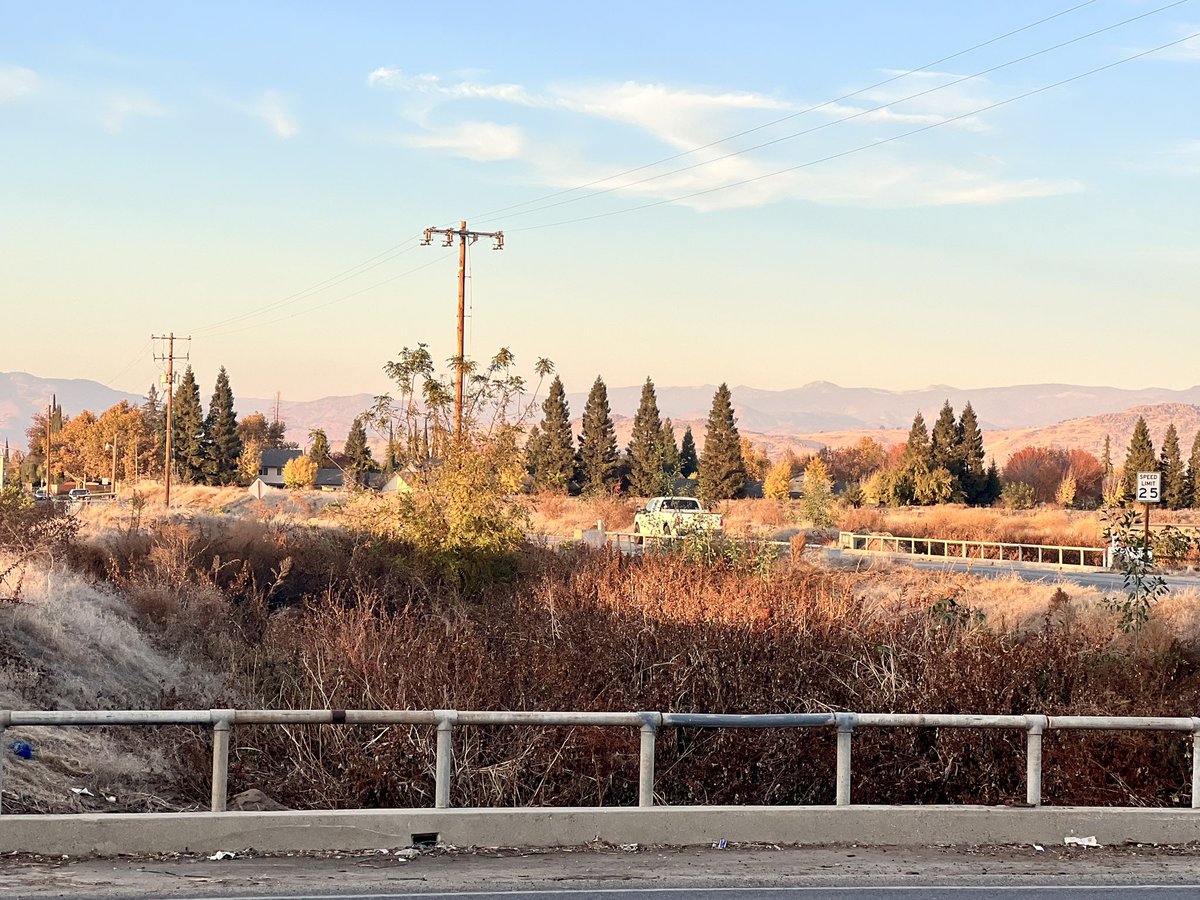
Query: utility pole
[49,419]
[461,361]
[169,358]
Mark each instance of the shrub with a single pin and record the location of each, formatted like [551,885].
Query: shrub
[1017,495]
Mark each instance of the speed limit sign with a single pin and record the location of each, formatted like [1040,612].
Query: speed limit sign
[1149,487]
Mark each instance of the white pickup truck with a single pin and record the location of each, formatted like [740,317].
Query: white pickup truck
[672,516]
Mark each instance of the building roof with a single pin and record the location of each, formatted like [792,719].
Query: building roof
[279,458]
[329,478]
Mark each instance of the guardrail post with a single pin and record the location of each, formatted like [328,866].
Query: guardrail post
[845,731]
[1195,762]
[445,758]
[5,718]
[646,758]
[222,720]
[1034,727]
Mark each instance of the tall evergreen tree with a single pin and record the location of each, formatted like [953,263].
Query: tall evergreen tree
[188,437]
[1174,476]
[974,475]
[722,469]
[672,463]
[318,448]
[1140,457]
[357,453]
[1194,473]
[645,446]
[1106,462]
[918,450]
[223,447]
[598,443]
[689,462]
[555,445]
[993,485]
[154,420]
[946,449]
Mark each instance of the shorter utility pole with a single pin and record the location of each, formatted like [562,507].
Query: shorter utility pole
[461,361]
[169,358]
[49,419]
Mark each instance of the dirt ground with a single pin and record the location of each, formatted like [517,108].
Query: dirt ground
[248,875]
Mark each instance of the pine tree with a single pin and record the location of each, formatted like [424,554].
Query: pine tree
[1106,461]
[597,443]
[154,419]
[555,450]
[223,447]
[357,453]
[318,448]
[689,462]
[946,448]
[722,470]
[1194,473]
[974,475]
[918,450]
[992,487]
[1174,476]
[645,446]
[188,437]
[672,464]
[1140,456]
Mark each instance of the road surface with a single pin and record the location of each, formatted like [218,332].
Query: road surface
[737,873]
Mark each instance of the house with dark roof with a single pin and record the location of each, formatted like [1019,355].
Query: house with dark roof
[271,463]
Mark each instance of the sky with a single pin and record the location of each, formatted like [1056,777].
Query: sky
[871,193]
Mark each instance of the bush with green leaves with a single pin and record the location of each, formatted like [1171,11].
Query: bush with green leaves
[1017,495]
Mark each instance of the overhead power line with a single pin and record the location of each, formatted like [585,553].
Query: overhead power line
[327,303]
[857,115]
[847,96]
[871,145]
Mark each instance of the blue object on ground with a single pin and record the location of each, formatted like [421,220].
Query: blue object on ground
[22,749]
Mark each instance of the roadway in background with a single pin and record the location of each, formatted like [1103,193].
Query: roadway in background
[703,873]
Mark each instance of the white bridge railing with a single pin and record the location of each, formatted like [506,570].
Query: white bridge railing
[222,722]
[956,548]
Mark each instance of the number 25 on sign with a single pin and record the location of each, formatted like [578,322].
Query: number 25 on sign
[1149,487]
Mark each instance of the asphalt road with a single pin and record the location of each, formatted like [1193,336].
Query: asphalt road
[899,892]
[653,873]
[1103,581]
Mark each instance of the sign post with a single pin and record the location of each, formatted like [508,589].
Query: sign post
[1149,490]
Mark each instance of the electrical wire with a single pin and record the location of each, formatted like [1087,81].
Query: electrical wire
[390,254]
[367,265]
[129,365]
[486,216]
[857,115]
[327,303]
[873,144]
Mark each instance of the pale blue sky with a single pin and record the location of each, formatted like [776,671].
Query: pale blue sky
[194,166]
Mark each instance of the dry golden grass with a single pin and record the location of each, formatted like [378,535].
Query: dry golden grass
[554,514]
[1041,526]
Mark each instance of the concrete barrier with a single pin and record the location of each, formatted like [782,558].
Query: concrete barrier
[276,832]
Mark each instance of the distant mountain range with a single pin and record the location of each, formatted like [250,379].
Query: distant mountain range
[802,418]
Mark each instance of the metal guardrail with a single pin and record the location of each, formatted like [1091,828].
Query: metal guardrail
[628,541]
[222,722]
[955,548]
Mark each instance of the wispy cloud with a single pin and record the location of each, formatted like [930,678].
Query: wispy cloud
[16,82]
[117,111]
[273,110]
[477,141]
[1188,51]
[397,80]
[684,119]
